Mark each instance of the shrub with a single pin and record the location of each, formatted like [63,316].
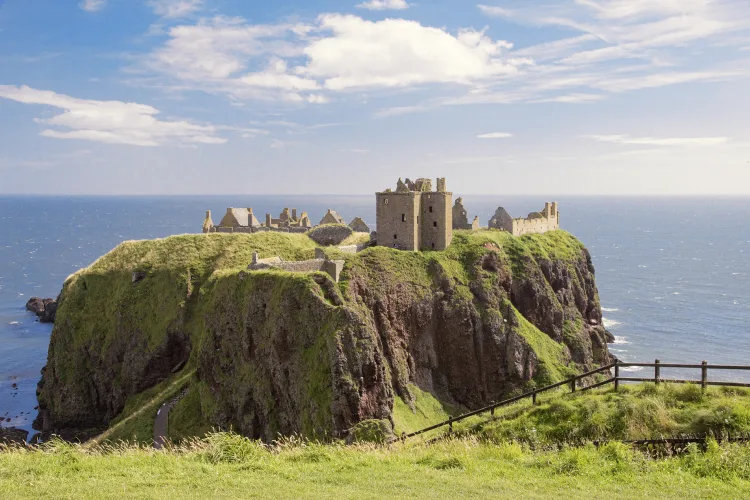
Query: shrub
[371,431]
[330,234]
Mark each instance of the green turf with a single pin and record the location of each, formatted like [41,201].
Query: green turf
[643,411]
[229,466]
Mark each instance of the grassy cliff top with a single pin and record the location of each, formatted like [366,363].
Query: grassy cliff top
[225,251]
[203,254]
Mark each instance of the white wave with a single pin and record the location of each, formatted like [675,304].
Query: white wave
[610,309]
[620,340]
[676,293]
[642,265]
[609,323]
[631,368]
[14,323]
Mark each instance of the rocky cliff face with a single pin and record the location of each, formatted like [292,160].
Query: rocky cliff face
[282,353]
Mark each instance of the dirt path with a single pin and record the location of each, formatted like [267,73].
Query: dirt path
[161,423]
[149,406]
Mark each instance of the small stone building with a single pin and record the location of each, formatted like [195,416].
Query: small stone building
[414,217]
[359,226]
[332,217]
[239,217]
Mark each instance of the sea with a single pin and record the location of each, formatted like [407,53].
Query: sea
[673,273]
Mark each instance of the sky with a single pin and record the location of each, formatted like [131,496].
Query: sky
[568,97]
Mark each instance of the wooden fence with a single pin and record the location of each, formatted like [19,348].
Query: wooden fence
[615,379]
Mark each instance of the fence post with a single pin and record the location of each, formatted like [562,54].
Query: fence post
[492,410]
[704,374]
[617,375]
[450,425]
[657,372]
[533,397]
[573,385]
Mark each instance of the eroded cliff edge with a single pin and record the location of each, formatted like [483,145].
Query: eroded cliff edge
[283,353]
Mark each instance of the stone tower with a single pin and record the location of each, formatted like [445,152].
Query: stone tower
[414,217]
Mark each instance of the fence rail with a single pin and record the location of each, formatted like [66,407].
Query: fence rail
[616,379]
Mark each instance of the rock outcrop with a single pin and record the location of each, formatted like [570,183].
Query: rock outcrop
[45,309]
[285,353]
[11,435]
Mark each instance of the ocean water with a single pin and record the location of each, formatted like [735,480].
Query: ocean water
[673,273]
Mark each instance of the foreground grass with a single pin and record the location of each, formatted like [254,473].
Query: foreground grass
[229,466]
[643,411]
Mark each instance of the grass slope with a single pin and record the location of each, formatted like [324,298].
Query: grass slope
[229,466]
[643,411]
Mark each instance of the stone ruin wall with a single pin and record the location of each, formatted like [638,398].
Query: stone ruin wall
[320,263]
[532,226]
[259,229]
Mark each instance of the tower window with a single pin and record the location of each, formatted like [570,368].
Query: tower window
[434,224]
[395,236]
[403,217]
[430,208]
[385,201]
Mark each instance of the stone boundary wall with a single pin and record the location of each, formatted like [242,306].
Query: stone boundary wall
[301,266]
[533,226]
[319,263]
[262,229]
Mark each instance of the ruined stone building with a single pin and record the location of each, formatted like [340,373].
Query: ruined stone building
[414,217]
[359,226]
[537,222]
[331,217]
[242,220]
[288,219]
[460,219]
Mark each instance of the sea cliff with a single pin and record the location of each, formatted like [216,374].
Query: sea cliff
[277,353]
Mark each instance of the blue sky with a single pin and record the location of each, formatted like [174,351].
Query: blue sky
[506,97]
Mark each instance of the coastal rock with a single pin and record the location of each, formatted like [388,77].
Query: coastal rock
[12,435]
[45,309]
[35,305]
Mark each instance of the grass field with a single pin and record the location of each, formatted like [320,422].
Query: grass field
[229,466]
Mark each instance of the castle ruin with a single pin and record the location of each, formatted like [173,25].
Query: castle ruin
[460,219]
[414,217]
[536,222]
[243,220]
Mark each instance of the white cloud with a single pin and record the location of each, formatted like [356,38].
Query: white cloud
[306,63]
[92,5]
[661,33]
[318,99]
[113,122]
[175,8]
[574,98]
[397,52]
[654,141]
[495,135]
[384,5]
